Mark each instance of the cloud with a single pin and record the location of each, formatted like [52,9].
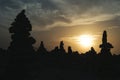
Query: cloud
[41,13]
[2,26]
[47,14]
[112,23]
[44,18]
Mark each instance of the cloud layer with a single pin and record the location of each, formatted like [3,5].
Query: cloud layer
[47,14]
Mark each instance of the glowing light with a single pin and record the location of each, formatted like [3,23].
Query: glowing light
[85,40]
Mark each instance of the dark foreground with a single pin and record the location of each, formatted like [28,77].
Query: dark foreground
[59,67]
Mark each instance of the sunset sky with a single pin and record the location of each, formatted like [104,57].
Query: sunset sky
[67,20]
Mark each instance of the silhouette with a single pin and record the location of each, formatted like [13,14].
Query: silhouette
[55,50]
[69,50]
[105,46]
[20,61]
[21,40]
[21,53]
[91,52]
[62,50]
[41,48]
[2,52]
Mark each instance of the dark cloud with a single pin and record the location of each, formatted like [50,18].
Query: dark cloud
[14,4]
[93,7]
[44,13]
[2,26]
[48,4]
[41,12]
[8,3]
[111,23]
[49,21]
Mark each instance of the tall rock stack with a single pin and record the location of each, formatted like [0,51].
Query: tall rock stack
[22,55]
[105,46]
[21,40]
[62,50]
[42,49]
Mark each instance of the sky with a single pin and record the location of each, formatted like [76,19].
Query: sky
[56,20]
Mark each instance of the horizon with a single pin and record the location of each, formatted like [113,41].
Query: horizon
[54,21]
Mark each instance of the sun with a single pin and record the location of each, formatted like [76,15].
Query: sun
[85,40]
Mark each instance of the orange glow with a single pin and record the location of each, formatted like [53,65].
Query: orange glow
[85,40]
